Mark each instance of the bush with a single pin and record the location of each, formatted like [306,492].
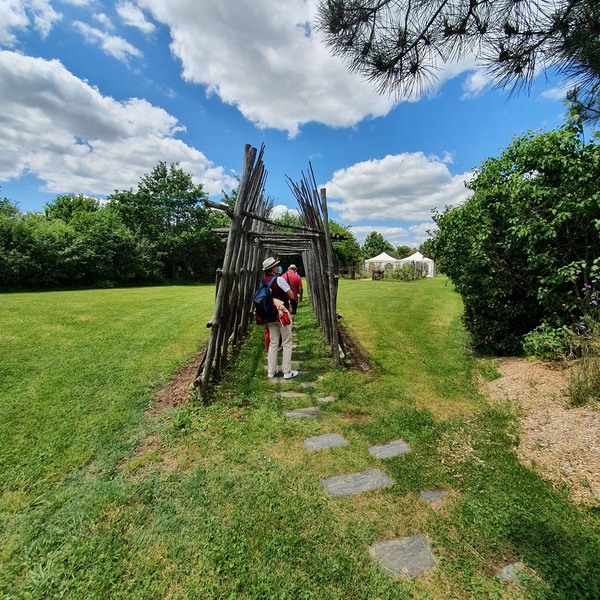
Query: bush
[526,240]
[549,342]
[408,272]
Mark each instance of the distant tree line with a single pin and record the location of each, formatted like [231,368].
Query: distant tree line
[159,232]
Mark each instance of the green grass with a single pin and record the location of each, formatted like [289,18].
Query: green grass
[222,501]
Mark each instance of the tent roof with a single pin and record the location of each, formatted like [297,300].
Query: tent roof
[383,257]
[417,256]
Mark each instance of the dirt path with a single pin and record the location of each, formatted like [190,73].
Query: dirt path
[563,442]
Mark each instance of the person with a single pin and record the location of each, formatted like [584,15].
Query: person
[295,281]
[277,331]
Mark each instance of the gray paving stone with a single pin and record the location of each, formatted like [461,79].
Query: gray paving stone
[308,384]
[355,483]
[510,572]
[389,450]
[432,496]
[408,557]
[298,413]
[328,440]
[326,399]
[291,394]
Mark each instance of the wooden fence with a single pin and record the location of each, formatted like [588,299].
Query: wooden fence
[251,238]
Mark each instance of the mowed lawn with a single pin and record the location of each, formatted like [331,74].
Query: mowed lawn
[100,498]
[77,369]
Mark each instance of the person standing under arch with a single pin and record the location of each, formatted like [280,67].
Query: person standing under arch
[295,281]
[280,289]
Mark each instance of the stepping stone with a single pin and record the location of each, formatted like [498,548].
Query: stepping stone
[510,572]
[308,384]
[290,394]
[432,496]
[298,413]
[328,440]
[389,450]
[408,557]
[356,483]
[326,399]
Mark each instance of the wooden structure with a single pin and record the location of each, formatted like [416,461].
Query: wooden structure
[253,237]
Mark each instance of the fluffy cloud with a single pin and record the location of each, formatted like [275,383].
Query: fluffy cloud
[112,45]
[403,187]
[134,17]
[63,131]
[22,14]
[263,57]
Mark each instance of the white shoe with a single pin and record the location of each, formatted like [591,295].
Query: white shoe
[290,374]
[270,375]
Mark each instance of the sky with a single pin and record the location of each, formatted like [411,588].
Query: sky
[94,93]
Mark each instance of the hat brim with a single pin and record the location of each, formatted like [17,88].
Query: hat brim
[275,264]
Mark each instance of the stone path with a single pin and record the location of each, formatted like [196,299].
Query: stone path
[398,557]
[356,483]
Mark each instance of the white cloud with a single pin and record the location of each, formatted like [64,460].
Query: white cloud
[555,93]
[134,17]
[63,131]
[403,187]
[262,57]
[104,20]
[21,14]
[476,83]
[112,45]
[280,210]
[396,236]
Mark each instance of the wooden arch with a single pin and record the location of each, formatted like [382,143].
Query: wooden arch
[252,237]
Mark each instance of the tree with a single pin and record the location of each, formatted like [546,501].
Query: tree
[347,251]
[399,44]
[426,248]
[403,251]
[375,244]
[167,211]
[66,206]
[527,242]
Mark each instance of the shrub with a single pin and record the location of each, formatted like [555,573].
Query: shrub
[549,342]
[527,238]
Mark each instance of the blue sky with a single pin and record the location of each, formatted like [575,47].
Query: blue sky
[94,93]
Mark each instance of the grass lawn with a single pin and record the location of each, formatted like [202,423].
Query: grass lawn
[101,498]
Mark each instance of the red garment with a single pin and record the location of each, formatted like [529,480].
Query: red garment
[295,282]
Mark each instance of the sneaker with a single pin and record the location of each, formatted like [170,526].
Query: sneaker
[290,374]
[270,375]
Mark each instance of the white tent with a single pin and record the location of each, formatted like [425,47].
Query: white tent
[381,262]
[418,257]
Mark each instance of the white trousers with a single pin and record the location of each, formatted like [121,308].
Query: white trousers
[276,332]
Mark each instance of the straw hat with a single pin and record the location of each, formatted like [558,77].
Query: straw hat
[269,263]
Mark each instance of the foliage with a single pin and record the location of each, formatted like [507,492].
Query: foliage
[374,245]
[346,251]
[408,272]
[167,210]
[427,248]
[399,44]
[65,207]
[159,232]
[527,240]
[403,251]
[548,342]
